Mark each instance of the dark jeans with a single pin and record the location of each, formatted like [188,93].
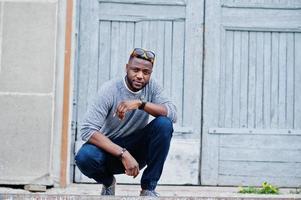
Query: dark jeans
[149,146]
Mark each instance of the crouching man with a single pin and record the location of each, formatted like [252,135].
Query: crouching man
[118,137]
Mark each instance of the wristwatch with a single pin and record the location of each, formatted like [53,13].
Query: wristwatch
[141,107]
[143,102]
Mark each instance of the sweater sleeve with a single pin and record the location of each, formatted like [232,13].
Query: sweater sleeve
[96,113]
[159,97]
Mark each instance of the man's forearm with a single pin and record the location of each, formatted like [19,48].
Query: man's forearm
[151,108]
[155,109]
[103,142]
[130,164]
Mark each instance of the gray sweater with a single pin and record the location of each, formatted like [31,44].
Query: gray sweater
[100,114]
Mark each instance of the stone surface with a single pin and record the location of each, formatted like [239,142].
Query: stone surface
[35,188]
[27,82]
[25,144]
[28,47]
[92,191]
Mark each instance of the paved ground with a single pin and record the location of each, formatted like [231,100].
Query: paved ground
[131,192]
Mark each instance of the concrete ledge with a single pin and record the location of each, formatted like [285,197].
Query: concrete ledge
[131,192]
[94,197]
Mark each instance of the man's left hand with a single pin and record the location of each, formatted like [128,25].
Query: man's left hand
[126,106]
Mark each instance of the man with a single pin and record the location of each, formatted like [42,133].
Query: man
[119,140]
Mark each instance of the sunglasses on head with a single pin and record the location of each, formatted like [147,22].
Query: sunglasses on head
[143,54]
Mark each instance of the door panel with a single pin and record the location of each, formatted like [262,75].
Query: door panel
[109,30]
[250,92]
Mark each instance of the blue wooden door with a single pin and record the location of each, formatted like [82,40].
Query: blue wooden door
[252,99]
[107,32]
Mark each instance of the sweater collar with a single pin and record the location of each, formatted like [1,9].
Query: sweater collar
[126,86]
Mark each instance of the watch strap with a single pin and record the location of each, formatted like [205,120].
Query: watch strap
[141,107]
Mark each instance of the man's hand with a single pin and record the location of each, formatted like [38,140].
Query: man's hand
[130,164]
[126,106]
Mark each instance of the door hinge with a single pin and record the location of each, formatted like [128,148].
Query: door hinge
[74,127]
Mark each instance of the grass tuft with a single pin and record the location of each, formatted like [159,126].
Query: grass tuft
[265,189]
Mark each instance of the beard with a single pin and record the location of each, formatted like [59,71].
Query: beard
[134,85]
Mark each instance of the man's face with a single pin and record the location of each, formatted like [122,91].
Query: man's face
[138,73]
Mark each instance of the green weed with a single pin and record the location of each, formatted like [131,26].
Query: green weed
[265,189]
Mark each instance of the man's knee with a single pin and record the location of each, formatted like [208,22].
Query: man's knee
[163,122]
[88,157]
[164,125]
[81,158]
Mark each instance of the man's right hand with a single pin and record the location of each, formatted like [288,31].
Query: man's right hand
[130,164]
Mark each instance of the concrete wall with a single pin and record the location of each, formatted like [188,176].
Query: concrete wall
[31,71]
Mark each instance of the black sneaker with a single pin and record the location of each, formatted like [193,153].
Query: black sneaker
[109,190]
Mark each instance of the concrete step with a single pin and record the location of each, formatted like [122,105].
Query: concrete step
[73,197]
[131,192]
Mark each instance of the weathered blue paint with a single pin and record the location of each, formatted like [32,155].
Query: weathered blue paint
[251,130]
[251,118]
